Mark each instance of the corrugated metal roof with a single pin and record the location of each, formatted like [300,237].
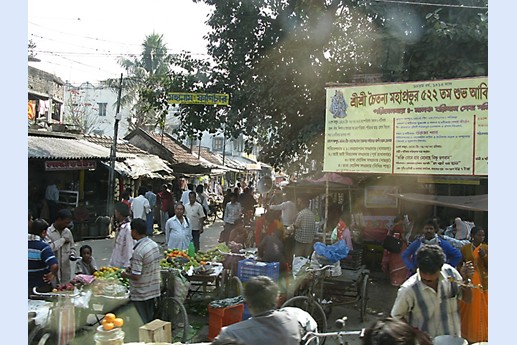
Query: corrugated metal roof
[149,166]
[181,154]
[61,148]
[123,146]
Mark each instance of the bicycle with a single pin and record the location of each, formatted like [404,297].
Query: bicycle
[339,334]
[308,296]
[171,309]
[228,283]
[215,210]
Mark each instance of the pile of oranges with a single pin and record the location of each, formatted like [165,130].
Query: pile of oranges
[111,321]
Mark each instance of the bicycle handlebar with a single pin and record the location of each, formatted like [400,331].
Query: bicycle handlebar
[310,336]
[323,268]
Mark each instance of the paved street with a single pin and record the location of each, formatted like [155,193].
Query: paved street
[381,293]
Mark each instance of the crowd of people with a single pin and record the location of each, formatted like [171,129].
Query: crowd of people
[442,278]
[443,286]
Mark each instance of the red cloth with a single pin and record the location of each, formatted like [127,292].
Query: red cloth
[166,200]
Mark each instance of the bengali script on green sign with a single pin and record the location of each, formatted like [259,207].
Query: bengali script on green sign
[429,127]
[198,98]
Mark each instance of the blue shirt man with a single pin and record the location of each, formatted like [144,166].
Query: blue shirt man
[42,264]
[453,255]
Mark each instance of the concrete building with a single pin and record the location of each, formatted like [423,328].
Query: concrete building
[93,109]
[45,97]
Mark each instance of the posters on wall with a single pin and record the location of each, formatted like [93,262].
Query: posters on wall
[431,127]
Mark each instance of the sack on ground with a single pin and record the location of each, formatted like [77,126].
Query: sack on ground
[318,261]
[392,244]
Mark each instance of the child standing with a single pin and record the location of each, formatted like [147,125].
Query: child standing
[86,265]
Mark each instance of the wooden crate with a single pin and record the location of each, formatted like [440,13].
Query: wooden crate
[156,331]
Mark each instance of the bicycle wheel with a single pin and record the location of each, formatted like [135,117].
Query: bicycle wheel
[40,336]
[233,287]
[313,308]
[172,310]
[364,297]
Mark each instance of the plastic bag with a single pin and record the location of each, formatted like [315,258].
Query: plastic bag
[333,252]
[333,235]
[83,300]
[181,285]
[318,261]
[299,262]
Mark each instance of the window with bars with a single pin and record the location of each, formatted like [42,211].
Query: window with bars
[102,108]
[217,144]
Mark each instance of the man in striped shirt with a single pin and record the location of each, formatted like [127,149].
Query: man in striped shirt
[428,300]
[143,271]
[42,264]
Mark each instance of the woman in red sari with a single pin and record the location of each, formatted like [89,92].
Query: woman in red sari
[474,315]
[392,263]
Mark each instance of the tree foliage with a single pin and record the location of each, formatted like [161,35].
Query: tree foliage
[144,83]
[275,57]
[278,56]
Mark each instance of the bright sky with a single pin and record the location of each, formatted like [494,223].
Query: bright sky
[80,41]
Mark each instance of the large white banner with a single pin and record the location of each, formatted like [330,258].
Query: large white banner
[432,127]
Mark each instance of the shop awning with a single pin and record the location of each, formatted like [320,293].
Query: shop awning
[469,202]
[148,166]
[62,148]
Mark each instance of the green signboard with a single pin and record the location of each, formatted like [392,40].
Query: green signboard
[198,98]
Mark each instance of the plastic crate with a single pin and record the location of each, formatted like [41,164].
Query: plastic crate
[249,268]
[220,317]
[354,261]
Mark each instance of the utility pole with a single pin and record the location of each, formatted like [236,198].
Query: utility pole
[113,155]
[224,142]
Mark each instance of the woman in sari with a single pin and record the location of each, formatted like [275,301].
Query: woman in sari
[392,263]
[474,315]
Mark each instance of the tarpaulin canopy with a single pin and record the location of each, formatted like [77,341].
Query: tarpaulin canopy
[469,202]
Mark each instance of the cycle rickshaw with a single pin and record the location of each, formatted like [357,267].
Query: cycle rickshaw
[323,287]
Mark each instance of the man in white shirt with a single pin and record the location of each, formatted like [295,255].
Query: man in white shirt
[140,205]
[289,212]
[232,212]
[184,196]
[202,198]
[194,212]
[52,198]
[428,300]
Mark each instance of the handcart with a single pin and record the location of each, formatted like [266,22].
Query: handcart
[57,326]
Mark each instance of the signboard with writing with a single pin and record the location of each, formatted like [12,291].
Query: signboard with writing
[198,98]
[70,165]
[432,127]
[379,197]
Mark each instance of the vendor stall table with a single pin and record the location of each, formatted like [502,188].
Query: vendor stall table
[206,282]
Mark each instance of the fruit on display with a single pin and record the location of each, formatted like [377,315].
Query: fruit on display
[111,321]
[64,287]
[179,259]
[111,274]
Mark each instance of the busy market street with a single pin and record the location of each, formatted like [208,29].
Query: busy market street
[258,172]
[381,294]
